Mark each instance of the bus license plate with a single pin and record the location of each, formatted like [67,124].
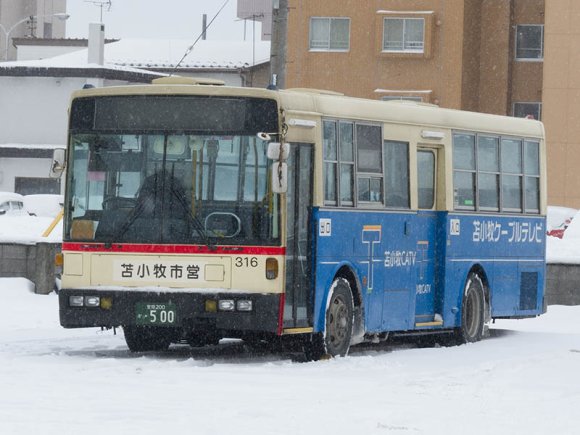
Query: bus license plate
[157,314]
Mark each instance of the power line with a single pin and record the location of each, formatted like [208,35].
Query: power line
[189,50]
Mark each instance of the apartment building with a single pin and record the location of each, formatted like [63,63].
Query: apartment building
[481,55]
[561,101]
[509,57]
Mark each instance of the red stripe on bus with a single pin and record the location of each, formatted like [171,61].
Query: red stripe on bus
[173,249]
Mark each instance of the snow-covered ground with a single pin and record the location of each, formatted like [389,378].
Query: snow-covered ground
[524,379]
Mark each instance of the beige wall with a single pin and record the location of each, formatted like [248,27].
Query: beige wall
[469,61]
[363,69]
[527,76]
[561,101]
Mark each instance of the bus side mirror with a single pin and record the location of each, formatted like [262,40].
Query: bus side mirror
[279,177]
[279,151]
[58,163]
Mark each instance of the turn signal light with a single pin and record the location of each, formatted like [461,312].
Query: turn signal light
[210,306]
[106,303]
[271,268]
[58,259]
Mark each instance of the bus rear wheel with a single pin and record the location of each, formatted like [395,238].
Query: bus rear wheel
[473,308]
[335,341]
[147,338]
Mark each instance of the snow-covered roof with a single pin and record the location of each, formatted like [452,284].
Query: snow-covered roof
[32,146]
[127,54]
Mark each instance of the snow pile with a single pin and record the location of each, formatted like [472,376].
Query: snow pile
[557,216]
[28,230]
[44,205]
[567,249]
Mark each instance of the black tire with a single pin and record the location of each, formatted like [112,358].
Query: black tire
[201,340]
[473,309]
[147,338]
[335,341]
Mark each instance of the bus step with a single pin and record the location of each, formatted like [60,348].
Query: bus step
[425,324]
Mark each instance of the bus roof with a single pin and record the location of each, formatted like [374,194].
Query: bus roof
[314,102]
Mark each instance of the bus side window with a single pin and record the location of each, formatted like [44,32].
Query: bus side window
[426,178]
[369,163]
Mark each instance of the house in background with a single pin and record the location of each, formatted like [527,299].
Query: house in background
[33,110]
[43,48]
[237,63]
[35,93]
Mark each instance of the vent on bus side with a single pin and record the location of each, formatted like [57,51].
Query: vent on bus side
[528,290]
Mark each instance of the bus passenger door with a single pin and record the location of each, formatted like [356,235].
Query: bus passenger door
[426,307]
[297,305]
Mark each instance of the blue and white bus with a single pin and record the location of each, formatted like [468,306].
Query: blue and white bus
[197,211]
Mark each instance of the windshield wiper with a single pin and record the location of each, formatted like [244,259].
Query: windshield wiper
[193,218]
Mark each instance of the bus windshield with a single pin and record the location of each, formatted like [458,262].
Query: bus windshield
[170,188]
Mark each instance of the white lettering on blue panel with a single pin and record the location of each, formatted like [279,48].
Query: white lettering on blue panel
[455,227]
[325,227]
[491,231]
[400,258]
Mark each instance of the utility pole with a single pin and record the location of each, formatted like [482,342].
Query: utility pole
[278,44]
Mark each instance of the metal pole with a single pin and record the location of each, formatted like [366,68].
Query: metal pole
[278,44]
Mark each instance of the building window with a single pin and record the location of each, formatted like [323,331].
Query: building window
[528,110]
[404,35]
[530,42]
[329,34]
[47,33]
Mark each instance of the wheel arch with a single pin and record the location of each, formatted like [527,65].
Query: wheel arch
[347,272]
[479,270]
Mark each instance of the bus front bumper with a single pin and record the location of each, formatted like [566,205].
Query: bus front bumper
[80,308]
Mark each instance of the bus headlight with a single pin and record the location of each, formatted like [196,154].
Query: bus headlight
[76,301]
[244,305]
[226,305]
[92,301]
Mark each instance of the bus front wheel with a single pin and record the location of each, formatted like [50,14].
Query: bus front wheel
[335,340]
[473,308]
